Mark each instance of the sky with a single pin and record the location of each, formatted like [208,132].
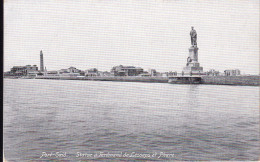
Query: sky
[152,34]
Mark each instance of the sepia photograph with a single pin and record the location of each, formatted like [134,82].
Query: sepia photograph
[131,80]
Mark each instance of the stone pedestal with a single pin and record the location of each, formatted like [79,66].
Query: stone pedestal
[193,53]
[193,66]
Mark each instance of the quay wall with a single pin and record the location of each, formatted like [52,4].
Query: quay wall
[232,80]
[215,80]
[121,79]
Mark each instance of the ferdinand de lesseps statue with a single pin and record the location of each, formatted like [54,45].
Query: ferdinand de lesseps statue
[193,36]
[192,65]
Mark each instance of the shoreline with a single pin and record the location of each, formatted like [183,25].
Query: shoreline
[253,80]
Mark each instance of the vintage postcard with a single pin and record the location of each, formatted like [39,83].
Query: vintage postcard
[131,80]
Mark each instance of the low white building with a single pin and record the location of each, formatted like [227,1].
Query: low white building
[232,72]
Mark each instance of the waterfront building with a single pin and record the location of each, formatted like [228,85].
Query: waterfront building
[213,72]
[232,72]
[158,74]
[166,74]
[152,72]
[172,73]
[92,72]
[23,70]
[69,70]
[18,70]
[61,71]
[8,73]
[104,73]
[73,70]
[126,70]
[34,73]
[82,73]
[30,68]
[41,62]
[145,74]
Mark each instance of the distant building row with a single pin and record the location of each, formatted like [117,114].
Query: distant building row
[120,70]
[232,72]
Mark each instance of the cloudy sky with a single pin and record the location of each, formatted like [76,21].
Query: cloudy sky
[145,33]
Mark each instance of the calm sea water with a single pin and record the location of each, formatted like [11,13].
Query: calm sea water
[129,120]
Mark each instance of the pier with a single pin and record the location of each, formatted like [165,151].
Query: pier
[185,80]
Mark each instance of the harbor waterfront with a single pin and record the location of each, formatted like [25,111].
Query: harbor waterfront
[192,73]
[160,80]
[74,118]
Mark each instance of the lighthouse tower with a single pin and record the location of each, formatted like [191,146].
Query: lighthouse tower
[41,62]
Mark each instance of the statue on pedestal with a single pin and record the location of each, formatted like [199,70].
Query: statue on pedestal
[193,36]
[193,66]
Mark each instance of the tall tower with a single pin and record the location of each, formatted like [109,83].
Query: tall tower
[41,62]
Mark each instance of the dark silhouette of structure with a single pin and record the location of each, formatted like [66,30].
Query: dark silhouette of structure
[41,62]
[193,36]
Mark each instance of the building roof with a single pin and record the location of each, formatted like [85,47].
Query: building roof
[18,66]
[126,67]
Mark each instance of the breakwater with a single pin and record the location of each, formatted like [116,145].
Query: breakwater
[232,80]
[215,80]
